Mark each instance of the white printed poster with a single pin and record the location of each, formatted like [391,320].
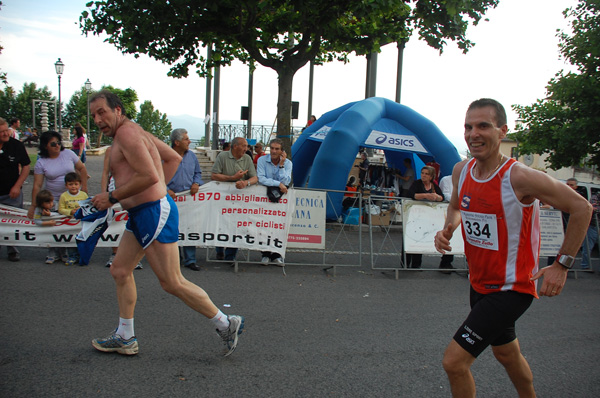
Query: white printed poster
[307,229]
[551,228]
[421,221]
[219,214]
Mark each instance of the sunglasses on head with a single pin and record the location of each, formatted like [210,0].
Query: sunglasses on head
[53,144]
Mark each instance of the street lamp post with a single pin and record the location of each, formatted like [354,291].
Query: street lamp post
[88,87]
[59,66]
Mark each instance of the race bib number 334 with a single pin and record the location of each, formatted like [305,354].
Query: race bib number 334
[481,230]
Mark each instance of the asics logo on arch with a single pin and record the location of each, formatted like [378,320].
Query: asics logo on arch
[381,139]
[395,140]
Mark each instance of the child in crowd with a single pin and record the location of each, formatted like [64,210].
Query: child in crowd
[69,200]
[44,204]
[69,203]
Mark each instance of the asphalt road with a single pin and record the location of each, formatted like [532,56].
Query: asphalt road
[361,333]
[308,334]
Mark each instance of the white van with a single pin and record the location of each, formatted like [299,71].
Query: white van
[589,188]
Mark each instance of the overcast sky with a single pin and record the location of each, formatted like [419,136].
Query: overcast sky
[516,54]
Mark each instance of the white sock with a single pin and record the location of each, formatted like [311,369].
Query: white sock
[220,320]
[125,328]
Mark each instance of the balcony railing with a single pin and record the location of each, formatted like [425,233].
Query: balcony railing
[227,132]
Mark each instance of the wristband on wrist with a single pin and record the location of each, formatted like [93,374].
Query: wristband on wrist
[565,260]
[112,199]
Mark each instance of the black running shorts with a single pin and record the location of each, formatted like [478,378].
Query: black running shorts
[491,320]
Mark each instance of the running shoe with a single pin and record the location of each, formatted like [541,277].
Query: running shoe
[50,260]
[64,258]
[139,265]
[278,262]
[265,260]
[72,260]
[115,343]
[230,335]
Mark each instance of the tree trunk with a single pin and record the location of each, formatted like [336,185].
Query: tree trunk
[284,108]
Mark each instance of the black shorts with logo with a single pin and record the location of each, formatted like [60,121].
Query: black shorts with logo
[491,320]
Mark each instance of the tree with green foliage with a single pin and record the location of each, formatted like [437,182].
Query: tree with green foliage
[76,109]
[24,101]
[153,121]
[566,124]
[19,104]
[283,35]
[7,100]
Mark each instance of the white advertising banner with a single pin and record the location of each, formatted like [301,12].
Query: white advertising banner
[217,215]
[18,230]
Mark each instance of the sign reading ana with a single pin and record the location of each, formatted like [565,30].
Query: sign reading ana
[307,229]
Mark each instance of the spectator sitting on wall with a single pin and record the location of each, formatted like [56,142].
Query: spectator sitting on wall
[234,166]
[274,170]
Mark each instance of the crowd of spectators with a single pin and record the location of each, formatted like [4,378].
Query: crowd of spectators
[56,170]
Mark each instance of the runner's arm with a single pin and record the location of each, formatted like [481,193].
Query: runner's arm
[169,157]
[442,238]
[105,171]
[530,184]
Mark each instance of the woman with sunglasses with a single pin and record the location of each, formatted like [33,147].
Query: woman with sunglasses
[51,167]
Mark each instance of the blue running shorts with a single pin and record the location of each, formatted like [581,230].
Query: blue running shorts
[158,220]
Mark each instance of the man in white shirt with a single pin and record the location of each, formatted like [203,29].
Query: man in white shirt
[274,170]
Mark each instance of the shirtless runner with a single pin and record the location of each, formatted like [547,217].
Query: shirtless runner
[140,164]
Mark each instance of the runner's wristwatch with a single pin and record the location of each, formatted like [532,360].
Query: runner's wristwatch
[565,260]
[111,199]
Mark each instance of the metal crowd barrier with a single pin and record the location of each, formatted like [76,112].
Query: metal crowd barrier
[376,240]
[366,240]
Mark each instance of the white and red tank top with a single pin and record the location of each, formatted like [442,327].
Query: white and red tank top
[501,234]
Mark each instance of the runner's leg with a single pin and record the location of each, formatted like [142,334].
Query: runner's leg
[509,355]
[127,257]
[164,261]
[457,364]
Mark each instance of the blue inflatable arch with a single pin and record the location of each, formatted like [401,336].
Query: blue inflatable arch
[325,152]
